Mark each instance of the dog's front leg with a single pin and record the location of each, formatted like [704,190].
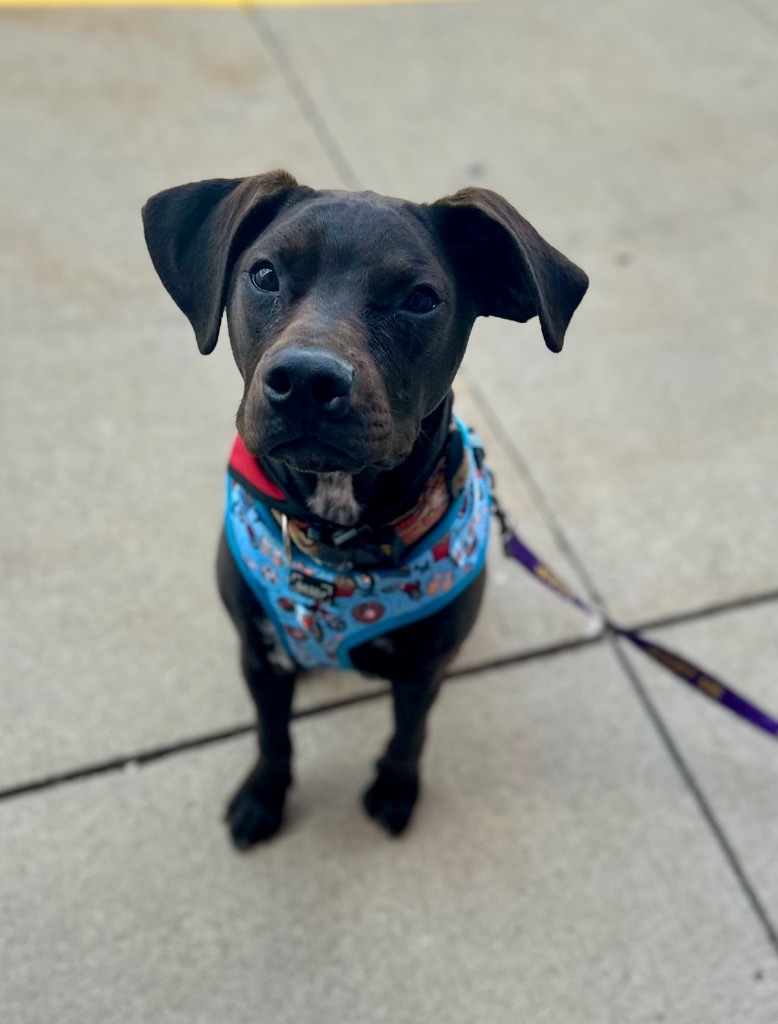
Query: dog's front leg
[391,798]
[256,810]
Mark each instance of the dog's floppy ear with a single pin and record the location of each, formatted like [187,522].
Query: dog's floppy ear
[514,273]
[195,232]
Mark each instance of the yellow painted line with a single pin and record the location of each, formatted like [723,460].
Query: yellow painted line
[217,3]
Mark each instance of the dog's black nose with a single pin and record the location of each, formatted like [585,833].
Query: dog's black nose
[308,377]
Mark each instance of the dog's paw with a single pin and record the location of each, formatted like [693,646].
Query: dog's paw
[391,799]
[256,811]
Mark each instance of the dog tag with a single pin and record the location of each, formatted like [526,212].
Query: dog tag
[310,586]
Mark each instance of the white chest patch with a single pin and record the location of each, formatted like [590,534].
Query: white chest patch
[334,499]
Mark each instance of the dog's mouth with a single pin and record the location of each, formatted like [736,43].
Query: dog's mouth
[315,446]
[308,454]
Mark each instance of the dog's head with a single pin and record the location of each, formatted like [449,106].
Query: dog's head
[348,312]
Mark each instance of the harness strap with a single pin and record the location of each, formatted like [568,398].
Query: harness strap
[248,471]
[370,544]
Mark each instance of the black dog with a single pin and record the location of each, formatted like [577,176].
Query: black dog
[348,315]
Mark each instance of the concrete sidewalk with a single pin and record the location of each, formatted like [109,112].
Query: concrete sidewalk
[595,843]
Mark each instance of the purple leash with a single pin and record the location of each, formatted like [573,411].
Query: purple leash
[692,675]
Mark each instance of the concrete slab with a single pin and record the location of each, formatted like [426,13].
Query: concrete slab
[642,141]
[735,766]
[558,870]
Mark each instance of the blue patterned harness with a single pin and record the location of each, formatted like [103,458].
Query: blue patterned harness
[321,611]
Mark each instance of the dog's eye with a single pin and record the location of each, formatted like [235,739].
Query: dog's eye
[264,276]
[421,300]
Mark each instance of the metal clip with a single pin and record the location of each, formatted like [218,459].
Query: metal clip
[287,540]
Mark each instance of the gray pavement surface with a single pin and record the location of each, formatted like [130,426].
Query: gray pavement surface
[591,891]
[595,843]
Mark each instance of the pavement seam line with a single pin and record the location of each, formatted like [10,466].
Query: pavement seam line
[495,665]
[697,793]
[123,763]
[259,22]
[158,753]
[707,611]
[538,496]
[759,13]
[539,653]
[650,709]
